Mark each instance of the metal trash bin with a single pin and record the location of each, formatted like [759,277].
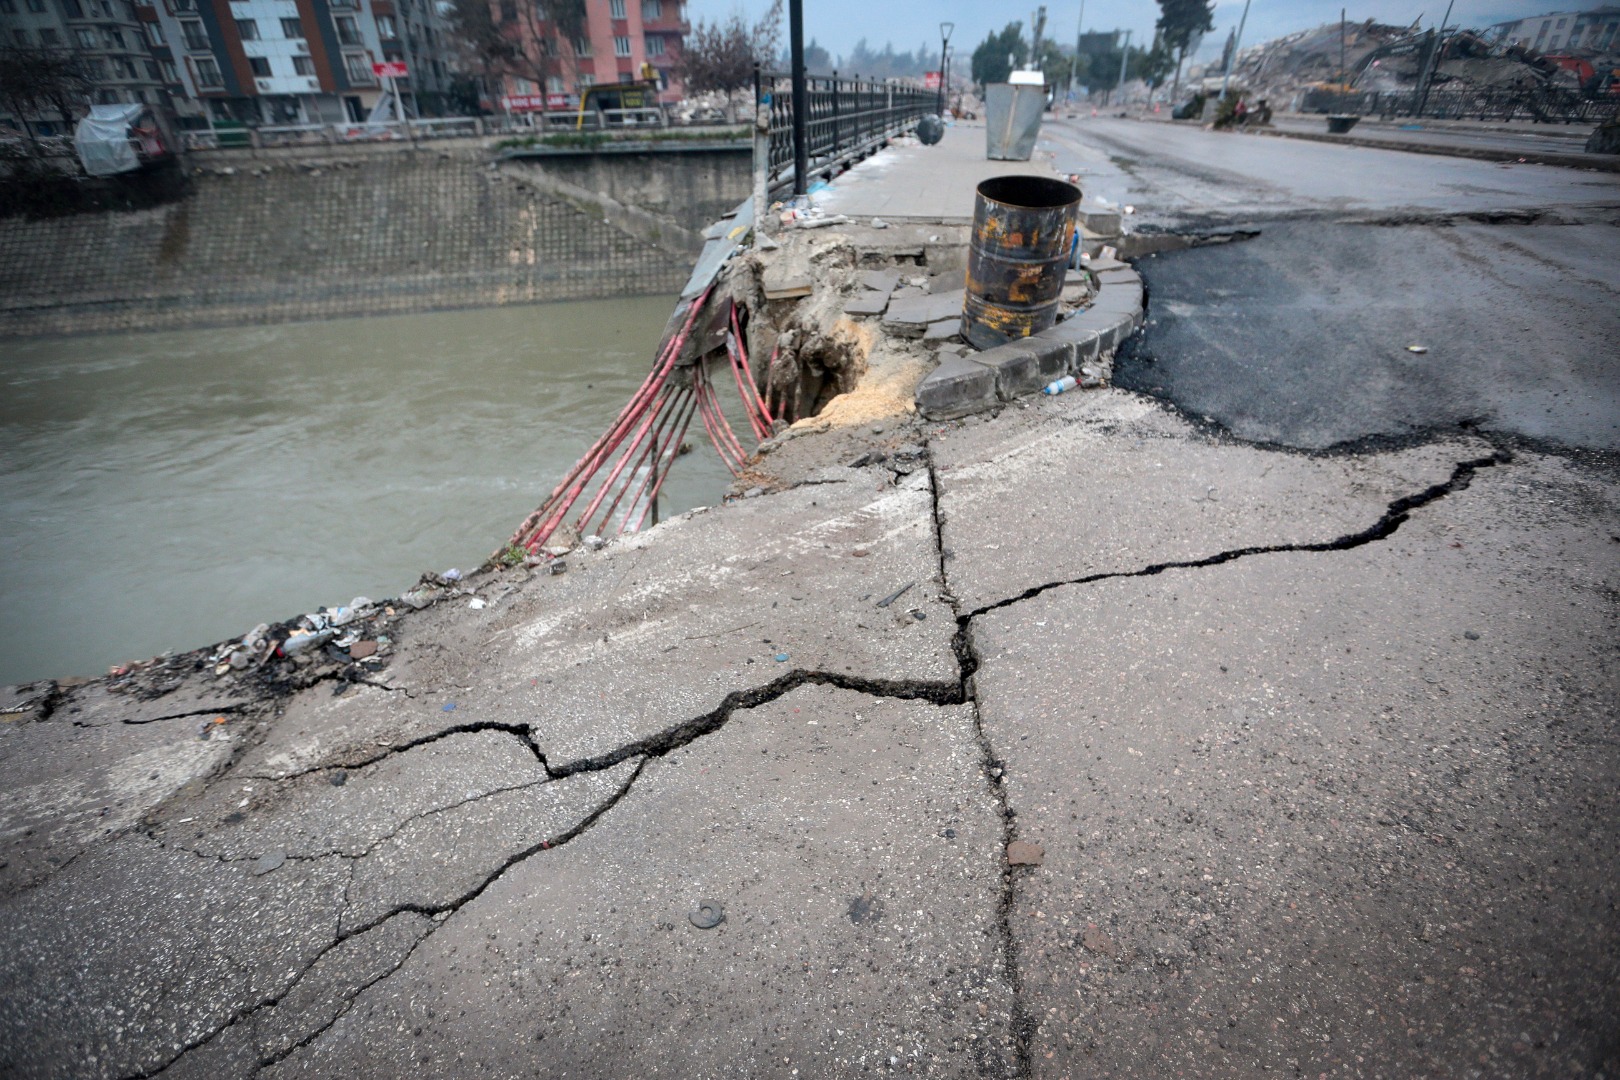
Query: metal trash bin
[1023,227]
[1012,120]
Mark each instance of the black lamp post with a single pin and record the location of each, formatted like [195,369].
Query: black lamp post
[945,29]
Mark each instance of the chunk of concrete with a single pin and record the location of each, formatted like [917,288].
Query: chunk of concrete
[866,303]
[958,387]
[882,281]
[943,330]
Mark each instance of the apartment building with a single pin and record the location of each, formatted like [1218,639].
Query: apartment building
[622,39]
[1595,30]
[111,39]
[302,61]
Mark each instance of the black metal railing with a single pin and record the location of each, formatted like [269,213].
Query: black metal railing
[845,120]
[1546,104]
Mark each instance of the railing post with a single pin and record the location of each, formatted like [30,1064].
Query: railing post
[762,159]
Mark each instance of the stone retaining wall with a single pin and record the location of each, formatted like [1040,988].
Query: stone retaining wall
[275,240]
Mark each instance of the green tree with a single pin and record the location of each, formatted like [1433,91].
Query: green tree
[1179,22]
[990,59]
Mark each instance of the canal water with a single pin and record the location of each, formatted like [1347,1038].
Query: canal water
[169,490]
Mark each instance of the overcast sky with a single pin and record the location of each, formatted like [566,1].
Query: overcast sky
[839,24]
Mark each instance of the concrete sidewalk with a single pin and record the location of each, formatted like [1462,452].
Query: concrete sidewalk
[1074,741]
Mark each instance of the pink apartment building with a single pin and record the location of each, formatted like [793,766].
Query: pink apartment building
[621,37]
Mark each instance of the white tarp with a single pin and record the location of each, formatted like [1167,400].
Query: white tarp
[102,139]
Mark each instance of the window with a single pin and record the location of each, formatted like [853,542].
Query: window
[260,66]
[582,46]
[95,67]
[348,32]
[386,27]
[8,7]
[207,72]
[22,38]
[586,81]
[652,10]
[126,68]
[555,84]
[106,97]
[303,65]
[185,5]
[171,74]
[293,29]
[73,9]
[621,46]
[154,33]
[196,39]
[1553,44]
[359,69]
[85,36]
[49,37]
[152,73]
[36,6]
[112,37]
[508,11]
[548,46]
[248,29]
[627,76]
[616,9]
[655,45]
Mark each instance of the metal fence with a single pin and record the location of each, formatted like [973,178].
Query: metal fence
[334,134]
[845,119]
[1545,104]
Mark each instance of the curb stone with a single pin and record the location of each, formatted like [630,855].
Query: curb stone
[976,382]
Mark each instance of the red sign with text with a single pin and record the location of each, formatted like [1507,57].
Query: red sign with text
[536,102]
[392,69]
[930,80]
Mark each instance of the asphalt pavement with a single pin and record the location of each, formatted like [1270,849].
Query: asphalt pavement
[1381,294]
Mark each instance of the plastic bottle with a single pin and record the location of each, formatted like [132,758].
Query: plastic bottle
[1068,382]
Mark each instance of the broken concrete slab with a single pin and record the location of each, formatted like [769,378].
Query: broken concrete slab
[68,787]
[351,806]
[1232,496]
[880,281]
[944,330]
[117,964]
[435,859]
[918,312]
[658,629]
[959,386]
[1321,776]
[851,848]
[866,303]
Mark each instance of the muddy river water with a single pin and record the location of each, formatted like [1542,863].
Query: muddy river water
[168,490]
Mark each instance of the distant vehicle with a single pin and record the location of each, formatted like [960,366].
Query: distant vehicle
[619,105]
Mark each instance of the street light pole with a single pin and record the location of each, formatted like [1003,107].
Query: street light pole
[1124,55]
[801,95]
[1079,36]
[1237,43]
[945,29]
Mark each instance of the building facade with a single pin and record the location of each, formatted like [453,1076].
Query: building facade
[255,62]
[1596,30]
[624,41]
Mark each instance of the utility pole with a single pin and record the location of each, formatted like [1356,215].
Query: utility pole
[1079,36]
[1237,43]
[1342,72]
[1434,61]
[801,94]
[1124,55]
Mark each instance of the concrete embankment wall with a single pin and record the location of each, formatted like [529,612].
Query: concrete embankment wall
[269,238]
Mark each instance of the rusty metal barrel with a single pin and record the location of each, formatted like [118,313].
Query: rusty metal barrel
[1023,228]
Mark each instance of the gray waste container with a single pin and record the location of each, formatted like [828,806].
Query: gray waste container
[1012,120]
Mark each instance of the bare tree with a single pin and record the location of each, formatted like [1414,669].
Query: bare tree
[720,56]
[34,80]
[525,39]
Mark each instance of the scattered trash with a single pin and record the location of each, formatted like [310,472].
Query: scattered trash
[301,641]
[1471,635]
[1023,853]
[422,596]
[1068,382]
[362,649]
[1130,209]
[359,608]
[266,863]
[897,594]
[449,706]
[451,574]
[477,603]
[1419,349]
[918,613]
[557,567]
[781,658]
[338,779]
[709,914]
[595,543]
[879,223]
[859,553]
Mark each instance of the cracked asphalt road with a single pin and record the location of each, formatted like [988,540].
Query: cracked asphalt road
[1317,749]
